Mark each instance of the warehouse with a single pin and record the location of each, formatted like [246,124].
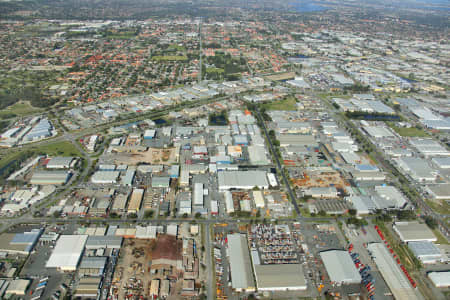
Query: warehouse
[392,196]
[426,252]
[160,182]
[392,274]
[297,140]
[240,264]
[439,191]
[245,180]
[52,177]
[340,267]
[229,206]
[105,177]
[135,200]
[92,266]
[440,279]
[418,168]
[20,243]
[198,194]
[441,162]
[258,198]
[322,192]
[127,180]
[104,242]
[17,287]
[88,287]
[429,147]
[60,162]
[149,134]
[363,204]
[174,171]
[119,203]
[67,252]
[257,155]
[378,132]
[283,277]
[413,232]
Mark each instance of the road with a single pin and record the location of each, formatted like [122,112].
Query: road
[419,201]
[280,168]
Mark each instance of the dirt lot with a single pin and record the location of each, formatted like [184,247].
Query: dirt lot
[151,156]
[132,274]
[323,179]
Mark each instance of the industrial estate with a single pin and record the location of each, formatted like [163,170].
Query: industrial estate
[214,150]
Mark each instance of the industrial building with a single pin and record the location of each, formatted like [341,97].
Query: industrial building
[67,252]
[92,266]
[103,242]
[160,182]
[426,252]
[88,287]
[240,264]
[392,274]
[18,287]
[50,177]
[439,191]
[257,155]
[340,267]
[417,168]
[392,197]
[245,180]
[198,195]
[440,279]
[414,232]
[258,198]
[135,200]
[60,162]
[105,177]
[280,277]
[20,243]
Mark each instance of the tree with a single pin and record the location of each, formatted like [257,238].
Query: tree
[352,212]
[431,222]
[322,213]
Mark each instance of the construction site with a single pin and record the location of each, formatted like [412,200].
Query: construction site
[132,277]
[153,156]
[303,179]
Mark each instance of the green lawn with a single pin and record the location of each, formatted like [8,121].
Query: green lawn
[285,104]
[19,109]
[443,207]
[409,132]
[58,149]
[440,238]
[214,70]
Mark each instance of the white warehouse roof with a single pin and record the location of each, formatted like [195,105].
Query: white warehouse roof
[414,232]
[392,274]
[340,267]
[242,180]
[67,252]
[240,264]
[440,279]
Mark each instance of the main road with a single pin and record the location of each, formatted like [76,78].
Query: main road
[280,168]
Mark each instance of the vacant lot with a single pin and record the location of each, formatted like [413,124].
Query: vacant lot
[58,149]
[409,132]
[285,104]
[18,109]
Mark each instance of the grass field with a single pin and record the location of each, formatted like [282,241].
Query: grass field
[19,109]
[170,58]
[442,207]
[58,149]
[214,70]
[285,104]
[409,132]
[440,238]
